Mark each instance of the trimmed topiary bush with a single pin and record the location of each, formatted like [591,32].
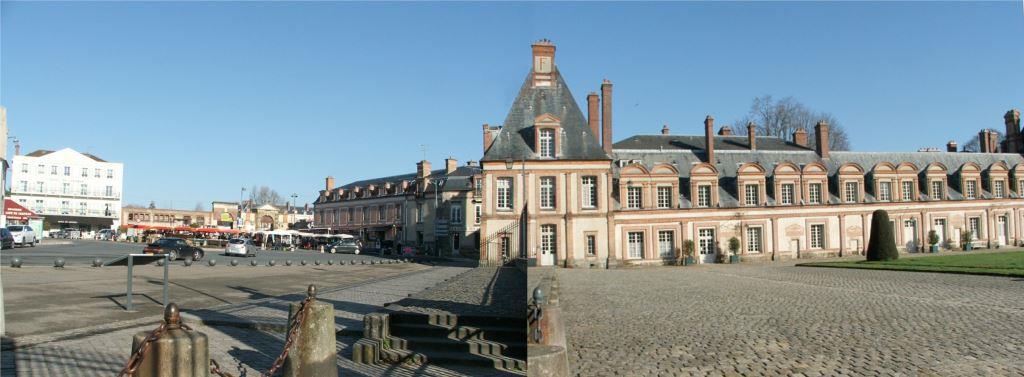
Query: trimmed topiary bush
[882,244]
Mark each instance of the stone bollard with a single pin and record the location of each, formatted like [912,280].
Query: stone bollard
[375,331]
[314,352]
[176,353]
[321,249]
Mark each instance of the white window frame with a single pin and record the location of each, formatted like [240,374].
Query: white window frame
[754,239]
[907,190]
[635,244]
[786,191]
[456,214]
[974,225]
[664,197]
[816,236]
[704,196]
[970,189]
[503,193]
[589,191]
[83,189]
[666,243]
[814,194]
[885,191]
[937,188]
[547,192]
[751,194]
[851,189]
[591,244]
[634,197]
[547,238]
[998,189]
[547,143]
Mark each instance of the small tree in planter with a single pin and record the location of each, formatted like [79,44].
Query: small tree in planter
[965,240]
[882,245]
[688,252]
[933,239]
[734,248]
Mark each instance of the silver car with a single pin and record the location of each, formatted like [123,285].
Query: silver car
[241,247]
[23,235]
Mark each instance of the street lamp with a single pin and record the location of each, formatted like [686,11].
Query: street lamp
[239,220]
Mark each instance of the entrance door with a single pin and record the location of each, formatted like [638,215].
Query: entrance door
[940,230]
[1001,230]
[910,234]
[855,246]
[547,245]
[794,246]
[706,238]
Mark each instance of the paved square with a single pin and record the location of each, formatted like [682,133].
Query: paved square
[786,320]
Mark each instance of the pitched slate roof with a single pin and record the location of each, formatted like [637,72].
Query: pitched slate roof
[515,140]
[696,142]
[43,152]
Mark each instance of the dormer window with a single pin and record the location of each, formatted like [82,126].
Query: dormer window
[547,143]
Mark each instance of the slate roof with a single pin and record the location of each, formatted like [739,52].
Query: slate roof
[696,142]
[43,152]
[515,140]
[728,161]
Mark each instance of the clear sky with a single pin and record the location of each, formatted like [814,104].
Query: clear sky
[198,99]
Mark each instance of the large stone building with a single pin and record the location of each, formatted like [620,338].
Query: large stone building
[434,210]
[553,187]
[69,189]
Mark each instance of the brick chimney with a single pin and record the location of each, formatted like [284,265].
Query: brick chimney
[709,138]
[951,146]
[664,129]
[821,138]
[423,169]
[984,144]
[329,183]
[752,136]
[800,137]
[450,164]
[543,63]
[1013,142]
[606,115]
[725,131]
[489,134]
[594,115]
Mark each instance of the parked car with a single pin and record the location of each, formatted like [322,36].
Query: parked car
[23,235]
[6,239]
[176,248]
[346,245]
[241,246]
[105,234]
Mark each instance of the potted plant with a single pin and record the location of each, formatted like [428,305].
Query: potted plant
[734,248]
[933,239]
[965,240]
[688,253]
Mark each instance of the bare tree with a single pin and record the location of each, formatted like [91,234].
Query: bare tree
[780,118]
[264,195]
[974,145]
[200,207]
[152,204]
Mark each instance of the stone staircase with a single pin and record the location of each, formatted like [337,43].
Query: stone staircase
[453,340]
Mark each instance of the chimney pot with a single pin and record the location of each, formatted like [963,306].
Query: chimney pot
[450,164]
[664,129]
[951,146]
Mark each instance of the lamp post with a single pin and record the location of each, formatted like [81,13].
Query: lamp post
[239,220]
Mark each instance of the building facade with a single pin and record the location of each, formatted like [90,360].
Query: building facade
[69,189]
[162,217]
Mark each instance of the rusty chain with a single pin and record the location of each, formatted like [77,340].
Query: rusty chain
[172,320]
[136,359]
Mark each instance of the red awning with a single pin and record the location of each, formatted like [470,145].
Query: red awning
[15,211]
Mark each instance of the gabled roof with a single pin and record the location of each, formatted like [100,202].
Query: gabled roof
[515,139]
[696,142]
[44,152]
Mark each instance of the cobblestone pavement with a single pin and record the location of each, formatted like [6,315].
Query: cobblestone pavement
[785,320]
[489,291]
[241,351]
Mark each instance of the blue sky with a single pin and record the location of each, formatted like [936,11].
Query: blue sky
[201,98]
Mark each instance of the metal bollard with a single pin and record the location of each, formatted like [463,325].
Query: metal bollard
[314,352]
[176,352]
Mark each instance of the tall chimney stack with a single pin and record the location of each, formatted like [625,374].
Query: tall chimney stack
[329,183]
[821,138]
[984,145]
[594,115]
[423,169]
[800,137]
[1014,141]
[606,115]
[450,164]
[725,131]
[664,129]
[951,146]
[752,136]
[543,63]
[488,137]
[709,138]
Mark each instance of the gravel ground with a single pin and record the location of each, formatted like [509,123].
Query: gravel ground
[785,320]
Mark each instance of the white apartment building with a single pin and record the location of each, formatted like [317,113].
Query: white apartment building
[69,188]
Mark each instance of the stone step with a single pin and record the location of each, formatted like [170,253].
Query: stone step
[447,319]
[501,334]
[452,358]
[515,350]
